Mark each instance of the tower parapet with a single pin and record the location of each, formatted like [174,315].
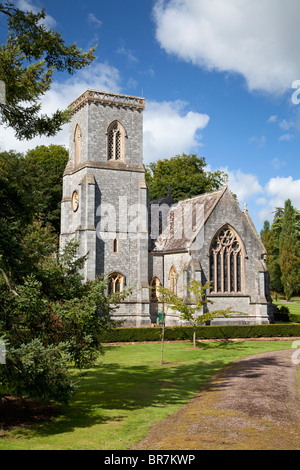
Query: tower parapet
[105,98]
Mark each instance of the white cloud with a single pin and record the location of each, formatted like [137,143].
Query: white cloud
[280,189]
[276,192]
[273,118]
[244,185]
[255,38]
[260,141]
[286,137]
[24,5]
[92,19]
[170,130]
[128,54]
[278,163]
[99,76]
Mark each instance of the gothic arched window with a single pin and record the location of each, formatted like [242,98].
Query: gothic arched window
[115,283]
[226,262]
[77,140]
[173,280]
[115,141]
[154,291]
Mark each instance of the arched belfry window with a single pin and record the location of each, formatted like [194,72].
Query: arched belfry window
[226,265]
[115,141]
[154,289]
[77,141]
[173,280]
[115,283]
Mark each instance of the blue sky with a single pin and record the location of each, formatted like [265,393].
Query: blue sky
[217,78]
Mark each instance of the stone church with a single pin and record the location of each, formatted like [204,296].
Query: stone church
[140,243]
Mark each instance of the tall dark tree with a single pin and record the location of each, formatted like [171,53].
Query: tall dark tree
[28,59]
[289,249]
[271,243]
[30,191]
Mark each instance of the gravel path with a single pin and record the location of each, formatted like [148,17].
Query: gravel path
[252,404]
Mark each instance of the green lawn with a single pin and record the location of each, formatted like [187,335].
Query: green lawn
[128,391]
[293,306]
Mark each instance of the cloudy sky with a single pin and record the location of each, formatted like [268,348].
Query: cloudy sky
[220,79]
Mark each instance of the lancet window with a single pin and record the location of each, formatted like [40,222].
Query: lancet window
[173,280]
[77,141]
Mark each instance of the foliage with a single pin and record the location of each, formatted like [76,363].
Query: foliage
[282,243]
[38,371]
[186,176]
[28,59]
[185,333]
[30,195]
[50,321]
[289,246]
[194,309]
[44,167]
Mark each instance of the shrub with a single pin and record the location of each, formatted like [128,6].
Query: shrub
[37,371]
[177,333]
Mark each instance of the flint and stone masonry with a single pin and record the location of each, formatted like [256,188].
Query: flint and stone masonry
[105,207]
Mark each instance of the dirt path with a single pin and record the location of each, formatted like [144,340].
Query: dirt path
[252,404]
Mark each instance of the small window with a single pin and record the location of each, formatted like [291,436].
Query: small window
[173,280]
[154,291]
[77,140]
[115,283]
[115,247]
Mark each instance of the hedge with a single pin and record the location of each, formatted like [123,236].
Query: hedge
[119,335]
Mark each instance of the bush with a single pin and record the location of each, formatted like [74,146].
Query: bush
[38,372]
[282,314]
[177,333]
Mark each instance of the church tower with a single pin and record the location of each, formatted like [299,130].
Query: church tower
[104,204]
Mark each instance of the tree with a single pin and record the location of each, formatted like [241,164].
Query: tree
[43,169]
[30,194]
[28,59]
[270,239]
[285,231]
[194,308]
[289,247]
[186,176]
[47,330]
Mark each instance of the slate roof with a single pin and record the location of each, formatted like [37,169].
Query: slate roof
[194,212]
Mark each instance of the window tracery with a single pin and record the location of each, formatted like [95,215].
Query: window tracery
[115,283]
[115,142]
[226,262]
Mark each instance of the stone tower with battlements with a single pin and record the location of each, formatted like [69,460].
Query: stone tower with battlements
[104,190]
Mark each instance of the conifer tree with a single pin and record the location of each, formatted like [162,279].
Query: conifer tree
[289,251]
[28,59]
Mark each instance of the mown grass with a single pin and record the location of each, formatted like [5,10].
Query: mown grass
[128,391]
[293,305]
